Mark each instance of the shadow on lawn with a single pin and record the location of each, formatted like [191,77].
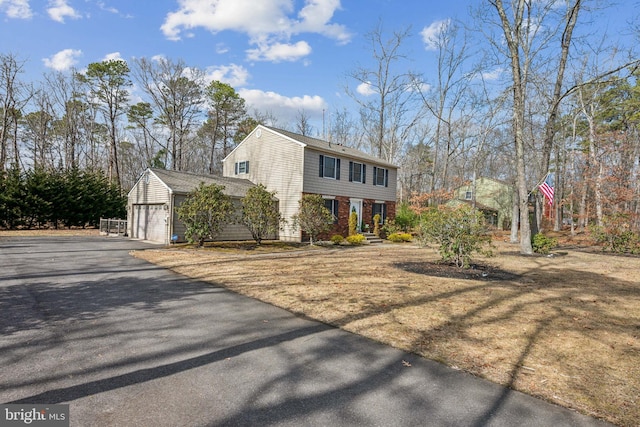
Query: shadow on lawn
[561,302]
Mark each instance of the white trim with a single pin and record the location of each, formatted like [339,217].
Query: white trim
[142,177]
[301,144]
[360,204]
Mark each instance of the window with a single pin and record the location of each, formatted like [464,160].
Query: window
[468,195]
[380,177]
[332,205]
[357,172]
[329,167]
[381,209]
[242,167]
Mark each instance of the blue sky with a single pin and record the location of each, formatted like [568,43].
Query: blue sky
[281,55]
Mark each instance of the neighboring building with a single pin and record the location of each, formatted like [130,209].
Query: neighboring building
[151,213]
[293,165]
[493,197]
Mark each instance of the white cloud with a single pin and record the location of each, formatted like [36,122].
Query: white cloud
[63,60]
[17,9]
[282,106]
[365,89]
[315,17]
[278,52]
[102,5]
[421,87]
[59,10]
[270,24]
[221,48]
[233,75]
[431,34]
[112,56]
[493,75]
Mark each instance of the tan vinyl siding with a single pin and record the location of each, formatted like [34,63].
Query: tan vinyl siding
[231,231]
[313,183]
[276,163]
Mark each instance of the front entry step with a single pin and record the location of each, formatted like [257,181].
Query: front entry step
[372,238]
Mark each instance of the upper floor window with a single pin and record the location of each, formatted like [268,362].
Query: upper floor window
[357,172]
[380,177]
[329,167]
[468,195]
[242,167]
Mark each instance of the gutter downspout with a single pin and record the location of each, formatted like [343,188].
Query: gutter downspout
[170,217]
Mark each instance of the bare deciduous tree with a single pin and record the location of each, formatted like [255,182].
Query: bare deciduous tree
[527,30]
[385,96]
[175,92]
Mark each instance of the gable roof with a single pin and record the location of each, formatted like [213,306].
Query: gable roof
[185,182]
[328,147]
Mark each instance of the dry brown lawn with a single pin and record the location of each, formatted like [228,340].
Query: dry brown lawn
[565,328]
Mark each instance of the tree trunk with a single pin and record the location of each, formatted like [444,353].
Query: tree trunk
[515,219]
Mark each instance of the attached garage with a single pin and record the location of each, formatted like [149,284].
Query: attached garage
[152,201]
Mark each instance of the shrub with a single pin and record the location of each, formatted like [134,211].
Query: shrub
[205,212]
[353,223]
[355,239]
[336,239]
[390,227]
[406,218]
[459,232]
[376,224]
[543,244]
[399,237]
[616,234]
[312,217]
[260,213]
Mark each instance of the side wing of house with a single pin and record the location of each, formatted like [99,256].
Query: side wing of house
[267,158]
[148,209]
[231,231]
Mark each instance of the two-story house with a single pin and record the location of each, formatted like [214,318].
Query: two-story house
[289,164]
[292,165]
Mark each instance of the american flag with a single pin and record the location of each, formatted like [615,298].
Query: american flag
[547,188]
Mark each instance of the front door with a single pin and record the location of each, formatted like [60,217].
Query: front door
[356,206]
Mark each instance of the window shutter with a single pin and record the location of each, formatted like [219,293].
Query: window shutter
[321,165]
[375,175]
[247,166]
[350,171]
[386,177]
[364,173]
[236,166]
[338,169]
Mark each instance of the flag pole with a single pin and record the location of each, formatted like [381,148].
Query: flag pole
[538,184]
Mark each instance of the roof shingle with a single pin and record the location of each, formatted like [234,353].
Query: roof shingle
[326,146]
[185,182]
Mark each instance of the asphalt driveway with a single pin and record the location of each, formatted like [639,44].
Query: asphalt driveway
[126,343]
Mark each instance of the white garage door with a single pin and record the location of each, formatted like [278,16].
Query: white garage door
[149,222]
